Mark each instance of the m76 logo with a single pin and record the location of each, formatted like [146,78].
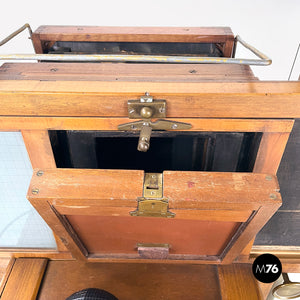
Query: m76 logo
[267,269]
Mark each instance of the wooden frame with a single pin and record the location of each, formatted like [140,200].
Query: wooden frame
[225,282]
[45,36]
[246,199]
[35,133]
[35,106]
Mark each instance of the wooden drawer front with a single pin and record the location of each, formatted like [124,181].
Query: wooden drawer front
[216,214]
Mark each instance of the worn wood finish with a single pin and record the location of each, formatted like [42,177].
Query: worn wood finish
[84,184]
[270,152]
[94,123]
[55,223]
[35,253]
[237,282]
[198,188]
[244,237]
[134,34]
[25,279]
[6,265]
[91,98]
[125,72]
[120,235]
[76,192]
[184,189]
[131,281]
[39,149]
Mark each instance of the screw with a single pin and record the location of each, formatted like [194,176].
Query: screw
[268,177]
[133,127]
[174,126]
[147,94]
[131,111]
[39,173]
[153,176]
[35,191]
[273,196]
[162,110]
[152,193]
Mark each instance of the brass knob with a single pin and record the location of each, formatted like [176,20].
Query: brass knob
[146,112]
[144,140]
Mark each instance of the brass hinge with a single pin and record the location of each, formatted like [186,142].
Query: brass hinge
[153,204]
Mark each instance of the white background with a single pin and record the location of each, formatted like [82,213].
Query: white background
[270,25]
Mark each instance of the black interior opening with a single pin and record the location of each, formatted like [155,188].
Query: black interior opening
[138,48]
[177,151]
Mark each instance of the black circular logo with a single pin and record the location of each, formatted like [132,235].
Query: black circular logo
[267,268]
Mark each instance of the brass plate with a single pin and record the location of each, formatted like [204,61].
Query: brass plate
[135,107]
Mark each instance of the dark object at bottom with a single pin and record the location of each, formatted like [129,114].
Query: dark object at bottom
[92,294]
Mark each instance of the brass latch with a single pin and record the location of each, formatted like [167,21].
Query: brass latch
[147,108]
[153,204]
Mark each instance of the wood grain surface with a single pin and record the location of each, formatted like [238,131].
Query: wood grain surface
[131,281]
[24,280]
[99,98]
[125,72]
[134,34]
[237,282]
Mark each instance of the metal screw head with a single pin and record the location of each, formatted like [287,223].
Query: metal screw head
[147,94]
[174,126]
[162,110]
[35,191]
[153,176]
[152,193]
[273,196]
[39,173]
[131,111]
[268,177]
[133,127]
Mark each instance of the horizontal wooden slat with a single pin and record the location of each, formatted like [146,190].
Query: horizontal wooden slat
[189,188]
[134,34]
[125,72]
[91,98]
[117,211]
[87,184]
[94,123]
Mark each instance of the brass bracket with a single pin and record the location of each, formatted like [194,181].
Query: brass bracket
[146,108]
[153,204]
[152,208]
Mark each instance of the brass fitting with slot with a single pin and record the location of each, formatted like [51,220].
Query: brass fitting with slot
[147,108]
[153,204]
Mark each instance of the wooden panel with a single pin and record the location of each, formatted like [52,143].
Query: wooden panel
[245,236]
[125,72]
[39,149]
[65,234]
[184,189]
[131,281]
[270,152]
[6,265]
[25,279]
[189,188]
[88,184]
[134,34]
[237,282]
[110,235]
[92,208]
[91,98]
[90,123]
